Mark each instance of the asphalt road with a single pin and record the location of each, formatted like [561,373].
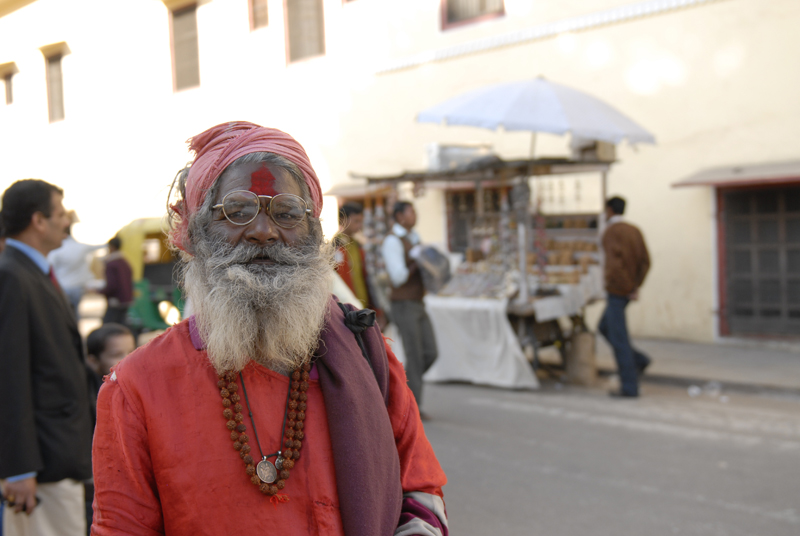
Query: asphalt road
[573,462]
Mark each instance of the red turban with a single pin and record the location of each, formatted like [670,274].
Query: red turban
[216,148]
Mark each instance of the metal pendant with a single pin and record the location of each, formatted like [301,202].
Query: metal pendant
[266,471]
[279,463]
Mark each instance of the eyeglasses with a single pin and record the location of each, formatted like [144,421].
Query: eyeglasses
[241,207]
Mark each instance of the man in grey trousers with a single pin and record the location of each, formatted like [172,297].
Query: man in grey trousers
[399,249]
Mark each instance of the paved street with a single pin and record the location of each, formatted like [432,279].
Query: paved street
[572,462]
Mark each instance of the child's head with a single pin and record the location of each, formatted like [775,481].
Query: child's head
[107,345]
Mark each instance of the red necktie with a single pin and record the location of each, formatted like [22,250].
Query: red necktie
[54,280]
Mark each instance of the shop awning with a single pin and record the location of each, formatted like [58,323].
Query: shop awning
[355,188]
[493,168]
[745,175]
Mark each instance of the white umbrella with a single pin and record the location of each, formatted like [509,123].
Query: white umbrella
[537,106]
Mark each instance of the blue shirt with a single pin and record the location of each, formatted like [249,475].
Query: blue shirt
[33,254]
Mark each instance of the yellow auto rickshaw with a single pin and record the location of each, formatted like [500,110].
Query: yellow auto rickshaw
[158,301]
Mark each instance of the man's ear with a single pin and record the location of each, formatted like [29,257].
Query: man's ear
[38,220]
[188,248]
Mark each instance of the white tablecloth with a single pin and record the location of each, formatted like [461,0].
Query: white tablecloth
[572,298]
[476,344]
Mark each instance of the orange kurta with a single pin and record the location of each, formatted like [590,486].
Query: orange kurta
[164,462]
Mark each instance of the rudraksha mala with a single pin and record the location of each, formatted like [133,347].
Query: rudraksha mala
[292,433]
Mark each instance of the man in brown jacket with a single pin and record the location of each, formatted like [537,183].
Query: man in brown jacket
[626,265]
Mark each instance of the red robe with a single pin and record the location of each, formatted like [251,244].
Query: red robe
[164,462]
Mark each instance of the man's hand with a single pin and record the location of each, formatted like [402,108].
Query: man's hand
[415,252]
[21,495]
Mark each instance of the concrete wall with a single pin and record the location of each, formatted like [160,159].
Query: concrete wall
[716,82]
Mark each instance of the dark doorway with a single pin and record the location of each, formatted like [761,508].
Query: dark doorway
[760,243]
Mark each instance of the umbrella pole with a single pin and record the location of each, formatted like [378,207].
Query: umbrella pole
[533,144]
[601,221]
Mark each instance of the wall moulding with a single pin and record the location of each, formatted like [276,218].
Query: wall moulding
[9,6]
[174,5]
[548,30]
[8,68]
[55,49]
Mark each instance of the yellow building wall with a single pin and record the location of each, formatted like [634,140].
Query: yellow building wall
[715,82]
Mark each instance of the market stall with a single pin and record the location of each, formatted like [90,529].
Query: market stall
[524,271]
[489,319]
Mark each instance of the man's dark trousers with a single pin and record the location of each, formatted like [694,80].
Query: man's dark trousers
[615,329]
[419,342]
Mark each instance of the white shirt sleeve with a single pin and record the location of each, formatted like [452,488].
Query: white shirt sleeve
[395,259]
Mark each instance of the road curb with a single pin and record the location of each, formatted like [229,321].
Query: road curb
[726,386]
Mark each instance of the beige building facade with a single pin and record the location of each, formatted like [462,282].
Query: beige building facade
[101,95]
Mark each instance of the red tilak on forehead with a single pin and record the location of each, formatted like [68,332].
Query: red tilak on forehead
[262,182]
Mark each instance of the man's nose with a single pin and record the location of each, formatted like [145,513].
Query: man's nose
[262,230]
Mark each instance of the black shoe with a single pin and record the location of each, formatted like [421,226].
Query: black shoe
[618,393]
[640,368]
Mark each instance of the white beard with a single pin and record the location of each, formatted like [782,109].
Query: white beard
[272,314]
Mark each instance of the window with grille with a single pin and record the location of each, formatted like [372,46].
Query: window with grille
[306,28]
[185,53]
[258,14]
[762,261]
[460,11]
[55,88]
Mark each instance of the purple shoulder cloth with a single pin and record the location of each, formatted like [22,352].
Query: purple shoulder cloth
[365,454]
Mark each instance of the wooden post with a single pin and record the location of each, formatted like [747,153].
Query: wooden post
[601,223]
[522,242]
[521,203]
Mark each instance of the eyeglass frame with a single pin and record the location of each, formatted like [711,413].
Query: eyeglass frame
[307,211]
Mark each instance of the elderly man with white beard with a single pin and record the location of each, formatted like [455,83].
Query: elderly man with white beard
[274,409]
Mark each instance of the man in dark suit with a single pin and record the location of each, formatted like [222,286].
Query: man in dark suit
[45,422]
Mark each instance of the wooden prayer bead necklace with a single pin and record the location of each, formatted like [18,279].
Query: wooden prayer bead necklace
[268,477]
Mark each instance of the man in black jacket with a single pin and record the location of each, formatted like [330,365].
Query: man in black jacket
[45,422]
